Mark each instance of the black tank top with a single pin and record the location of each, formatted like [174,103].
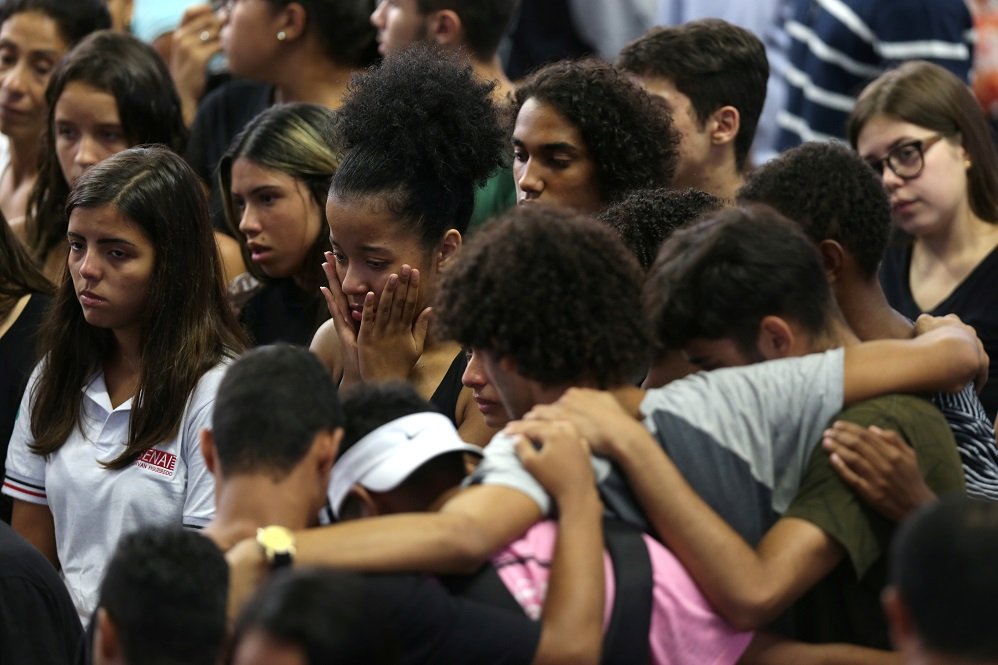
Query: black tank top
[445,396]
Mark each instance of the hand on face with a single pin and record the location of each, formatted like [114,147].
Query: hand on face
[392,330]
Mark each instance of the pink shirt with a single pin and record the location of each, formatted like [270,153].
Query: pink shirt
[684,626]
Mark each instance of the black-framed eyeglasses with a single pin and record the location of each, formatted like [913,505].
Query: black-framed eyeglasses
[906,159]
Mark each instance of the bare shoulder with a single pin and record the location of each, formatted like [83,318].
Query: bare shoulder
[326,346]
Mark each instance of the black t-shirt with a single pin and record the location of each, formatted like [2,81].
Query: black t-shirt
[431,626]
[38,623]
[221,115]
[974,300]
[282,312]
[18,356]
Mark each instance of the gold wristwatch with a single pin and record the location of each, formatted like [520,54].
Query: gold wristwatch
[278,544]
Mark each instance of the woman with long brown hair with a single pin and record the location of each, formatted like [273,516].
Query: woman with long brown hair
[133,349]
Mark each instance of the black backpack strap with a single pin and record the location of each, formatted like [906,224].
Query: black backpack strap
[626,639]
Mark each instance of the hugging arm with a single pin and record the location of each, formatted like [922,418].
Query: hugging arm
[572,619]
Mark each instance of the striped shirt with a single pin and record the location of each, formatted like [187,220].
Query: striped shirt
[836,47]
[975,441]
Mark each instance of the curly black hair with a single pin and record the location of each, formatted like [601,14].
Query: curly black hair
[647,217]
[420,132]
[628,132]
[553,290]
[832,193]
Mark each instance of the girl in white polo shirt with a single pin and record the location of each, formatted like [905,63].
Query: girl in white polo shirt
[133,348]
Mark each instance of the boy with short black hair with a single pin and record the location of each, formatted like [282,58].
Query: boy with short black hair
[713,75]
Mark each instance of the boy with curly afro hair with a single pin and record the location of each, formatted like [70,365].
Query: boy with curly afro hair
[842,206]
[517,293]
[585,135]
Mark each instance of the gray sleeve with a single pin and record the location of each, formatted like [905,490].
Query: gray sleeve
[501,466]
[770,414]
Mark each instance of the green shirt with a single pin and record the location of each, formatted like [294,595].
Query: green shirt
[845,606]
[497,195]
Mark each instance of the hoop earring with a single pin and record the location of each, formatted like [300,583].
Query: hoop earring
[281,36]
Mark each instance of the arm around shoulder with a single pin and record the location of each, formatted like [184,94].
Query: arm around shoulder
[944,359]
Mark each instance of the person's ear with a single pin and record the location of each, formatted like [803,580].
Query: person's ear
[209,452]
[448,248]
[445,27]
[359,503]
[292,22]
[724,125]
[899,622]
[776,338]
[106,647]
[324,449]
[832,258]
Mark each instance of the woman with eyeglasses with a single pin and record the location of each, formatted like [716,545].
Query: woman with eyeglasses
[921,129]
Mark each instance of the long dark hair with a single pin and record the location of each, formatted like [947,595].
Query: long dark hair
[930,96]
[187,327]
[19,275]
[148,109]
[299,141]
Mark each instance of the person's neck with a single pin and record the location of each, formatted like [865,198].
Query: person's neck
[23,160]
[837,334]
[244,503]
[312,79]
[129,348]
[868,313]
[719,176]
[491,70]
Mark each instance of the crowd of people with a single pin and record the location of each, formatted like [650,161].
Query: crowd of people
[368,349]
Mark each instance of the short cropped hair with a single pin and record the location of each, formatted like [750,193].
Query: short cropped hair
[943,566]
[484,21]
[165,591]
[330,615]
[720,277]
[712,62]
[628,133]
[270,406]
[368,406]
[647,217]
[831,192]
[553,290]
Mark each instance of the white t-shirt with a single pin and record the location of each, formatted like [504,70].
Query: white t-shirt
[92,506]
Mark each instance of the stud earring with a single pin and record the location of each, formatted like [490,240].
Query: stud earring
[281,36]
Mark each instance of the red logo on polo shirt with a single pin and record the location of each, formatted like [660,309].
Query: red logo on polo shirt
[157,461]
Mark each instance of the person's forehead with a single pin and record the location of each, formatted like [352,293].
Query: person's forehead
[540,122]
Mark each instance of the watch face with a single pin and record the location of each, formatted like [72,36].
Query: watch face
[277,538]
